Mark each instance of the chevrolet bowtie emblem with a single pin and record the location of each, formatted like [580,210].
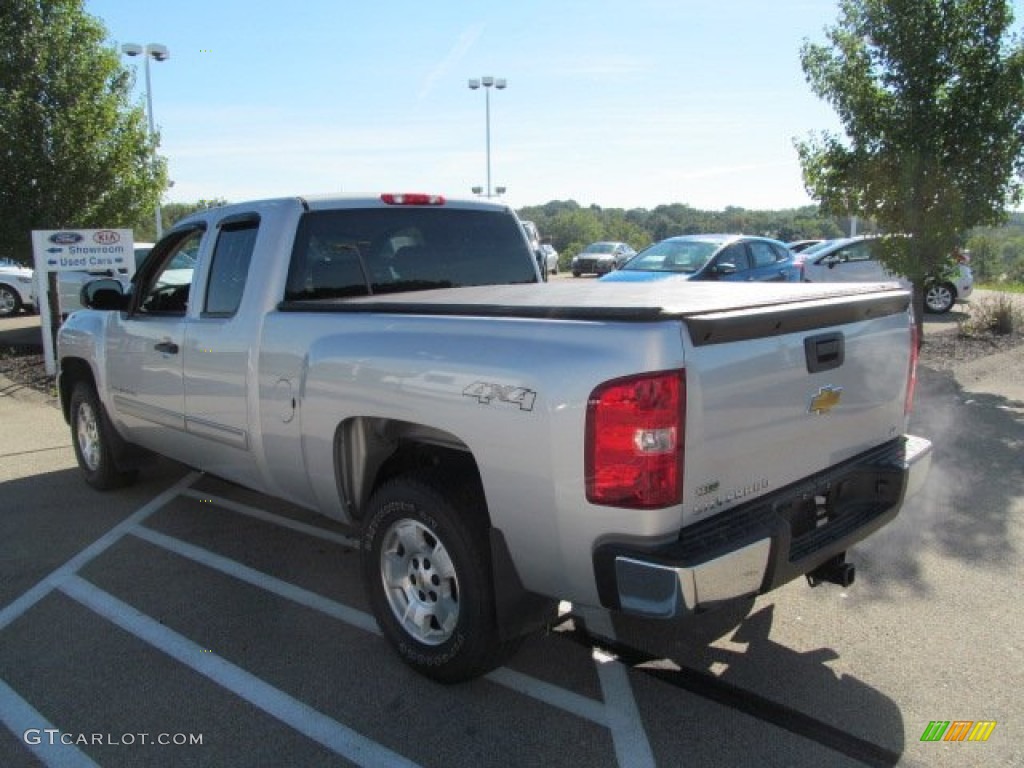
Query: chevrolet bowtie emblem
[826,399]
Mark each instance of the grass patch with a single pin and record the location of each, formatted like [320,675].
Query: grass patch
[1005,287]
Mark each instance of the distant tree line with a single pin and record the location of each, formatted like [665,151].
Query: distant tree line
[569,227]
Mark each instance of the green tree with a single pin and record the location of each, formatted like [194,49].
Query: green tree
[931,97]
[144,228]
[74,150]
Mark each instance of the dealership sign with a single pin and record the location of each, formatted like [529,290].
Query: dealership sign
[97,251]
[84,249]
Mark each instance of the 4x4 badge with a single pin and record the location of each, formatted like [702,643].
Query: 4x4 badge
[826,399]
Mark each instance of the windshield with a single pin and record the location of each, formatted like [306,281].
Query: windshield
[685,256]
[600,248]
[817,247]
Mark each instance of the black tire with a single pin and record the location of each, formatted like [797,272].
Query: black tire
[10,301]
[426,565]
[90,435]
[939,298]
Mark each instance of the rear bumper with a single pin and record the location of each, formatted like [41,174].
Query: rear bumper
[754,548]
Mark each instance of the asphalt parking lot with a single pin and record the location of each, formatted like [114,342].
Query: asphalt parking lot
[185,621]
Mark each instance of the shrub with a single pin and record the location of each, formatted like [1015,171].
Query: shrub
[999,315]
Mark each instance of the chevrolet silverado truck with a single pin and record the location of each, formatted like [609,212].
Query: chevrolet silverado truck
[498,443]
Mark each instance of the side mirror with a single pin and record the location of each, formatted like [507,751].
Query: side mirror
[726,268]
[103,294]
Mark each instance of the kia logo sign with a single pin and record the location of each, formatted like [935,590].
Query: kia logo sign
[106,237]
[65,238]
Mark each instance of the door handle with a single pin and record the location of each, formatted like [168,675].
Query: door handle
[167,347]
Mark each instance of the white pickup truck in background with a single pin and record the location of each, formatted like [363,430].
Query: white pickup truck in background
[497,442]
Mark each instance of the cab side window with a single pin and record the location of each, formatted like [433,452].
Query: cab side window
[736,255]
[165,290]
[230,267]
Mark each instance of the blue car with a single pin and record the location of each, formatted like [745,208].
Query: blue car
[711,257]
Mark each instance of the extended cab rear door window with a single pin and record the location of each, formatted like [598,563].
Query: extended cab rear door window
[229,268]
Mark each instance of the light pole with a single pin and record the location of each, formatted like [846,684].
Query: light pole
[160,53]
[488,82]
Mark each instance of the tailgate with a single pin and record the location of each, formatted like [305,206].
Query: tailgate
[779,394]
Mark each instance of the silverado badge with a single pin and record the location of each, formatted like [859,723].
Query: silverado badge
[826,399]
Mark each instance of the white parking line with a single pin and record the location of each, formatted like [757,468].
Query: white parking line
[617,711]
[631,744]
[553,695]
[98,547]
[296,714]
[270,517]
[260,579]
[25,722]
[539,690]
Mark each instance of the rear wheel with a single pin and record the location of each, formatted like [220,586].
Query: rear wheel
[10,301]
[90,434]
[426,565]
[939,298]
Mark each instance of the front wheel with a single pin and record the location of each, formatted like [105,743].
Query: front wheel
[91,438]
[10,301]
[426,566]
[939,298]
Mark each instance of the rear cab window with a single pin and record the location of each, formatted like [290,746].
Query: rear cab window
[370,251]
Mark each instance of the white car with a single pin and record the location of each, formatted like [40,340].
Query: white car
[550,258]
[16,288]
[852,259]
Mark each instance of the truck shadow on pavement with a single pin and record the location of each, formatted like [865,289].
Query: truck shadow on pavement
[752,674]
[977,476]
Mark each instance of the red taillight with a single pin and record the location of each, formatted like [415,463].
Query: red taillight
[412,198]
[634,441]
[908,404]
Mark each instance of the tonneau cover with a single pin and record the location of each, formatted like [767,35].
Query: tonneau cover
[713,312]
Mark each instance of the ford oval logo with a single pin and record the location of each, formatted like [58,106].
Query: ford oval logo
[106,237]
[65,238]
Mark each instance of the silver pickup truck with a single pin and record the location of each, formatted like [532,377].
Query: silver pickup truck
[499,443]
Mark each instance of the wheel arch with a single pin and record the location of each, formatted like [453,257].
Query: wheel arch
[72,371]
[369,451]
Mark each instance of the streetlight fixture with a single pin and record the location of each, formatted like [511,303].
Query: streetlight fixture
[488,82]
[160,53]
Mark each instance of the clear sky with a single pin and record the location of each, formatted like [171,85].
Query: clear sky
[618,103]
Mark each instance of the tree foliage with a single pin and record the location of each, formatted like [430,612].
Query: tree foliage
[931,97]
[74,150]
